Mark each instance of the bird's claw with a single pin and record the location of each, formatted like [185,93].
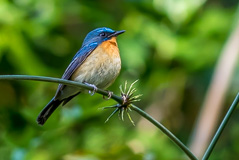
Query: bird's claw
[109,95]
[94,88]
[124,97]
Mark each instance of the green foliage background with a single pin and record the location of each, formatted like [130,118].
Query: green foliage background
[171,46]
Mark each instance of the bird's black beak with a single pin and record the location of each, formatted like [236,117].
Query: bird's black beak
[116,33]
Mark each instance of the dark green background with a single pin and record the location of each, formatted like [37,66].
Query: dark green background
[170,46]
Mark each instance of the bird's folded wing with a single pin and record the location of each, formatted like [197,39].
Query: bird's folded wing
[76,62]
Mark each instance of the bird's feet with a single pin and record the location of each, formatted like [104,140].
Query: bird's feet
[108,96]
[94,88]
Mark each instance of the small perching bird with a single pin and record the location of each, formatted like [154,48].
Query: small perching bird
[97,64]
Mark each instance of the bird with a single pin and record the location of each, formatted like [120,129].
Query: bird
[97,64]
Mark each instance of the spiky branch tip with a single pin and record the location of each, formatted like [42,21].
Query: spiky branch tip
[128,98]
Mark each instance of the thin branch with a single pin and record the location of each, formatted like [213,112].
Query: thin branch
[221,127]
[58,80]
[207,120]
[165,131]
[105,93]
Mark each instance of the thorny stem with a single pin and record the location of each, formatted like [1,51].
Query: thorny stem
[105,93]
[128,99]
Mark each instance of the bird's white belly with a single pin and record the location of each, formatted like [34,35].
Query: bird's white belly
[99,69]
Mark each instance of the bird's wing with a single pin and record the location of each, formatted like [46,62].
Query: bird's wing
[76,62]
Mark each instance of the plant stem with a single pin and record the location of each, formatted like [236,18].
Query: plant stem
[61,81]
[105,93]
[220,128]
[165,131]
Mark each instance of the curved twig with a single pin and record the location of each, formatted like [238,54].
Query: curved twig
[105,93]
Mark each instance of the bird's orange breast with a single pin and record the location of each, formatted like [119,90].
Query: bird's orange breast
[102,66]
[110,47]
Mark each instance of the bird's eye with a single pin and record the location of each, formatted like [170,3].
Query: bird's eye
[102,34]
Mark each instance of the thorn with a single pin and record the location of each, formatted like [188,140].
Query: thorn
[115,111]
[129,90]
[130,119]
[119,114]
[121,90]
[125,86]
[122,114]
[109,107]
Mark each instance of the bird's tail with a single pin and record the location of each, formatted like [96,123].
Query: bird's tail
[47,111]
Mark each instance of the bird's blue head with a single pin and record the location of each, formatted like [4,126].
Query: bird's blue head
[100,35]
